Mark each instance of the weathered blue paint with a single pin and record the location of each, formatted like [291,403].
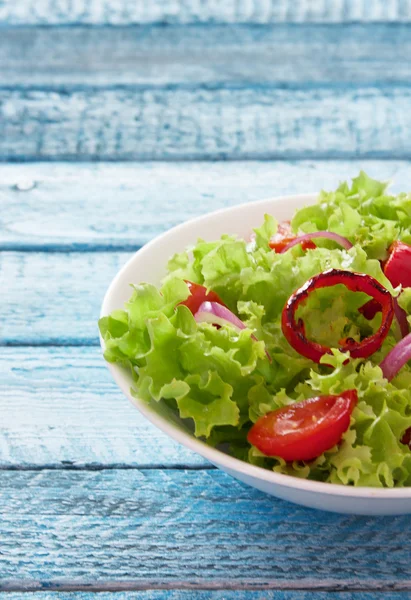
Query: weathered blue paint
[122,206]
[145,529]
[54,298]
[223,123]
[125,12]
[60,408]
[242,56]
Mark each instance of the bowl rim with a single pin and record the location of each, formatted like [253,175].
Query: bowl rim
[217,457]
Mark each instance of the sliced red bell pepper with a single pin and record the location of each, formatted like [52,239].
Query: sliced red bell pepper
[370,309]
[356,282]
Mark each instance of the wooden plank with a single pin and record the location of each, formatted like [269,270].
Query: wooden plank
[123,12]
[54,298]
[171,594]
[200,123]
[180,55]
[60,408]
[122,206]
[162,529]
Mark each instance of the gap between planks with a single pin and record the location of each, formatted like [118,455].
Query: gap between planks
[66,466]
[65,248]
[330,586]
[263,157]
[223,594]
[45,343]
[24,160]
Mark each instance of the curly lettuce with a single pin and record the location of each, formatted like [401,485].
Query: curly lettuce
[221,381]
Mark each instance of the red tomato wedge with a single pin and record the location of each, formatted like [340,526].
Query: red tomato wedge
[398,266]
[284,236]
[198,296]
[304,430]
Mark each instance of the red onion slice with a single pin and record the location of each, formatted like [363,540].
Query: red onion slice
[213,312]
[397,358]
[401,318]
[216,314]
[319,234]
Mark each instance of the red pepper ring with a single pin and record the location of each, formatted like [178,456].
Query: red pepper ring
[356,282]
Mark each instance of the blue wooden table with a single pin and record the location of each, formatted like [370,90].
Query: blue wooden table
[118,120]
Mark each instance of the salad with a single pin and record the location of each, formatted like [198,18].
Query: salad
[290,349]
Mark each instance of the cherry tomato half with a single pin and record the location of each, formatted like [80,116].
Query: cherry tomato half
[304,430]
[398,266]
[284,236]
[198,295]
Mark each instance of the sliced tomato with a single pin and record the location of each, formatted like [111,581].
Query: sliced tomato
[198,295]
[284,236]
[304,430]
[398,266]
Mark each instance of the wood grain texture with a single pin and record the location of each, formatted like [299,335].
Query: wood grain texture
[54,298]
[101,12]
[207,595]
[122,206]
[149,529]
[315,55]
[60,408]
[200,123]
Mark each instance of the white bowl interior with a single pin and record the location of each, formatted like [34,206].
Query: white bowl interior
[149,265]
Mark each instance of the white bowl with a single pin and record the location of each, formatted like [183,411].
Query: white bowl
[148,264]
